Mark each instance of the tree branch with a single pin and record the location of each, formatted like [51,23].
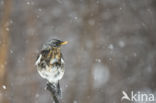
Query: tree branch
[53,92]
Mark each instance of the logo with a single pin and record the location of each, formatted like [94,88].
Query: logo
[138,97]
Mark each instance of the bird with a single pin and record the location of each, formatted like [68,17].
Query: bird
[50,63]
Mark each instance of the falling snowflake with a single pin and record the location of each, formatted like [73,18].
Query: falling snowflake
[11,51]
[98,60]
[28,3]
[39,9]
[75,101]
[100,74]
[4,87]
[75,17]
[111,46]
[121,44]
[7,29]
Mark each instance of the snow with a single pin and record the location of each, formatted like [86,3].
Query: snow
[97,1]
[121,44]
[111,46]
[37,16]
[98,60]
[39,9]
[37,95]
[28,3]
[149,10]
[100,74]
[66,86]
[4,87]
[60,1]
[75,101]
[149,69]
[11,51]
[11,21]
[2,2]
[75,17]
[7,29]
[143,24]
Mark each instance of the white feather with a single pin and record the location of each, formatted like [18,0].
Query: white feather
[53,61]
[51,75]
[38,60]
[62,60]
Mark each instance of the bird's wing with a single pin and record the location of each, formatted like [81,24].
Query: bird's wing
[38,59]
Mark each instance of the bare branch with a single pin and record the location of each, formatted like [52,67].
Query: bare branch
[53,92]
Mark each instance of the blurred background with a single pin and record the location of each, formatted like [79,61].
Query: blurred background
[112,48]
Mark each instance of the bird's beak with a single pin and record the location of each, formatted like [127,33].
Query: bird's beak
[64,43]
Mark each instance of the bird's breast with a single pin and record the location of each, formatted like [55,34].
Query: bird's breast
[52,74]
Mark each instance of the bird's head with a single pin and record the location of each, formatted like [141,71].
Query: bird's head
[53,43]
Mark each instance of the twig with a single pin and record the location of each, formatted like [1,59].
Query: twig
[53,93]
